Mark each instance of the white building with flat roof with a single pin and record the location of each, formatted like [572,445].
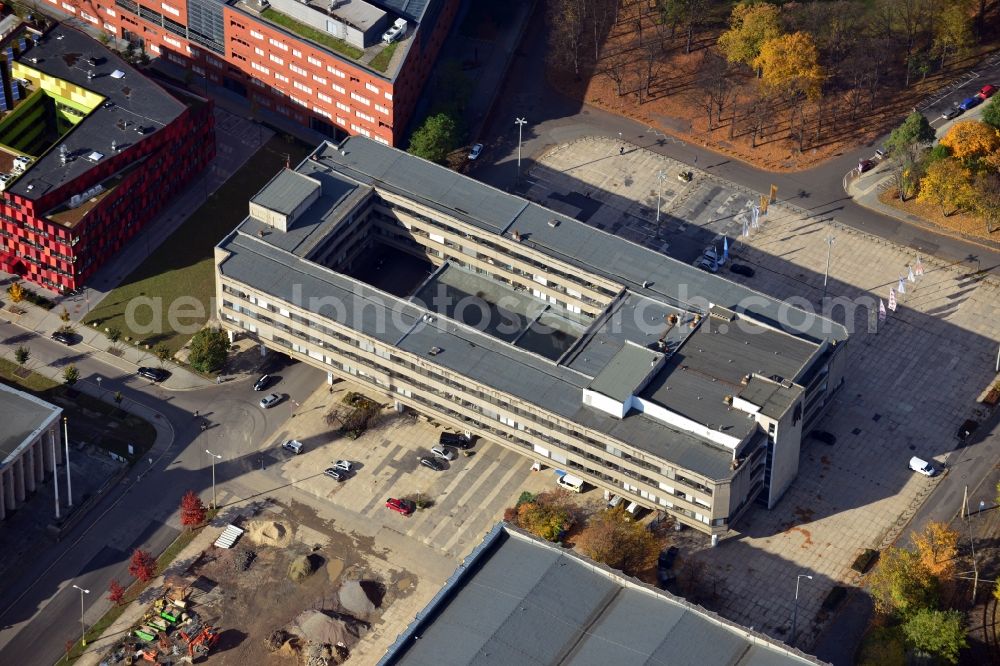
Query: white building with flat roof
[29,445]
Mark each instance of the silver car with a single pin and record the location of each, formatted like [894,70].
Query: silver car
[443,452]
[269,401]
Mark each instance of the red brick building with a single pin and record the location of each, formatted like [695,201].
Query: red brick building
[341,67]
[89,153]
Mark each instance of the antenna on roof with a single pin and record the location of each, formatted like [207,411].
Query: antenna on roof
[288,161]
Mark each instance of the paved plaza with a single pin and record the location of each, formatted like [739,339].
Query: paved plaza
[911,383]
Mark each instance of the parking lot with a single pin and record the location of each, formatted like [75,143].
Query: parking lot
[469,495]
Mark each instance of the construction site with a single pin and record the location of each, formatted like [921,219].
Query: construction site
[270,590]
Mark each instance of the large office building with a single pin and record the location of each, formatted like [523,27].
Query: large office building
[30,446]
[641,375]
[347,67]
[517,599]
[90,150]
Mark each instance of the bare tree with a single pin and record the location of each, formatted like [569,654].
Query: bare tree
[716,81]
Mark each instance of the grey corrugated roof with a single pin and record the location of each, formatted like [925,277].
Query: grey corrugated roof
[625,371]
[411,9]
[63,53]
[21,414]
[520,600]
[286,191]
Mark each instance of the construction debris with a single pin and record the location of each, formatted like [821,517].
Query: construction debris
[304,566]
[355,600]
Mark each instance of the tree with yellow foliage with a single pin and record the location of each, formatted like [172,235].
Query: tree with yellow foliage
[937,547]
[751,24]
[16,292]
[791,63]
[971,140]
[947,184]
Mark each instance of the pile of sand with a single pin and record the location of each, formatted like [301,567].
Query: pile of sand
[303,566]
[269,533]
[354,599]
[317,627]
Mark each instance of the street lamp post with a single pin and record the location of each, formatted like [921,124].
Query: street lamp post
[215,457]
[83,627]
[829,250]
[520,122]
[69,481]
[795,612]
[659,194]
[99,380]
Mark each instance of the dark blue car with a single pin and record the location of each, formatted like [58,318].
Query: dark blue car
[969,103]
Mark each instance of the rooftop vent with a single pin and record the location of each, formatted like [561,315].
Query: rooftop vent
[434,351]
[95,156]
[553,223]
[118,74]
[517,235]
[645,284]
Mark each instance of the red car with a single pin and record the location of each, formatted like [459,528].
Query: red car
[399,506]
[986,92]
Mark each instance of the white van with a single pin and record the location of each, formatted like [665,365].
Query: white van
[921,466]
[632,509]
[570,482]
[616,500]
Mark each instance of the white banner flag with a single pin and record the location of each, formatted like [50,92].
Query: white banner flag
[892,300]
[919,268]
[881,310]
[901,287]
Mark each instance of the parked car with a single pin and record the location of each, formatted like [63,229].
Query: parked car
[921,466]
[742,269]
[953,112]
[64,337]
[458,440]
[970,102]
[986,92]
[827,438]
[432,463]
[293,446]
[399,506]
[712,254]
[443,452]
[475,152]
[334,473]
[706,265]
[153,374]
[865,165]
[269,401]
[262,383]
[343,465]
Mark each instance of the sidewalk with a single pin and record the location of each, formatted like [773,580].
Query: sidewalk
[94,344]
[137,609]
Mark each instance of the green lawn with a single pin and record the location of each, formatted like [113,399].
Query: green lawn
[381,61]
[182,267]
[303,30]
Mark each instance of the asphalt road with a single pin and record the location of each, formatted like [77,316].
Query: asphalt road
[41,611]
[553,119]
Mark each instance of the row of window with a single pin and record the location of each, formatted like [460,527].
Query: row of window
[478,392]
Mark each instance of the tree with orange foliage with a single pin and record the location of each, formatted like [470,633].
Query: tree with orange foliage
[947,184]
[547,515]
[937,547]
[971,140]
[791,63]
[612,538]
[751,24]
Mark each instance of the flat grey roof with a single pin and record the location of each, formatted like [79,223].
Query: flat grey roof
[22,414]
[520,600]
[285,191]
[63,53]
[774,399]
[571,241]
[708,359]
[622,374]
